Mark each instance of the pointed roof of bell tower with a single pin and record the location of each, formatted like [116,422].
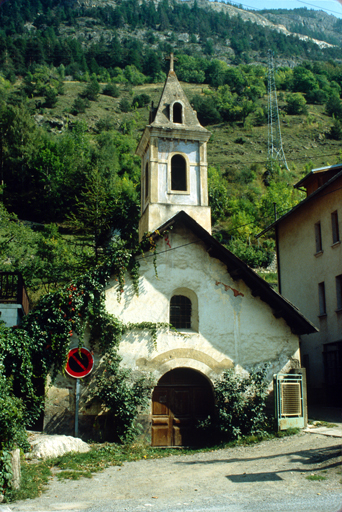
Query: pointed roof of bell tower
[162,122]
[173,93]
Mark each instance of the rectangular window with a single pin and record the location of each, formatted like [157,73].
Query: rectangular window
[339,291]
[334,226]
[321,296]
[318,237]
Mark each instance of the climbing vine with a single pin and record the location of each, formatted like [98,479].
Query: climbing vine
[40,346]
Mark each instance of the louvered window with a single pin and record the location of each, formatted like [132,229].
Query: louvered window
[291,403]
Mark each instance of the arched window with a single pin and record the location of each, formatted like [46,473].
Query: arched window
[177,113]
[146,180]
[180,312]
[178,173]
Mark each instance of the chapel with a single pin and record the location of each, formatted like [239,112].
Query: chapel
[220,313]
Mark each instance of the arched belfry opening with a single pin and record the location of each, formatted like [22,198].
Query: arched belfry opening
[178,173]
[182,397]
[177,113]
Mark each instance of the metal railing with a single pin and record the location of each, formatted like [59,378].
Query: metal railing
[12,290]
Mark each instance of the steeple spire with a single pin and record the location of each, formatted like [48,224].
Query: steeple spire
[172,60]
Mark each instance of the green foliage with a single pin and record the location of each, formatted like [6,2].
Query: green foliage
[336,130]
[334,107]
[92,91]
[253,254]
[122,395]
[296,104]
[240,404]
[218,195]
[124,105]
[141,100]
[111,90]
[79,106]
[5,471]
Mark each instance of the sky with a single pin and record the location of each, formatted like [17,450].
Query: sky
[330,6]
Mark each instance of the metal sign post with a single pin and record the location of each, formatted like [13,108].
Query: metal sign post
[77,405]
[80,364]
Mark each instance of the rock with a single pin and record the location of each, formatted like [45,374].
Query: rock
[44,446]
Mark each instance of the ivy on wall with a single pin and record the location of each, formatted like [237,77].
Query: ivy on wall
[40,347]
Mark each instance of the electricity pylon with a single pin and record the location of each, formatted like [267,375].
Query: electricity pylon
[275,150]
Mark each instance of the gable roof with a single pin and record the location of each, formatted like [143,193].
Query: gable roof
[330,171]
[239,270]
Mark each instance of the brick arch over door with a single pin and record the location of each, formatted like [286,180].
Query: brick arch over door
[182,397]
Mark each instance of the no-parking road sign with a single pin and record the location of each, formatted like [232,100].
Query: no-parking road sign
[80,362]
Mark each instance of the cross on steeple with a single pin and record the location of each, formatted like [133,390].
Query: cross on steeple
[172,59]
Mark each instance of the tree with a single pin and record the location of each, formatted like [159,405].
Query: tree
[296,104]
[93,216]
[92,91]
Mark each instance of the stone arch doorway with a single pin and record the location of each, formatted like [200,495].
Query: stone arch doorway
[182,397]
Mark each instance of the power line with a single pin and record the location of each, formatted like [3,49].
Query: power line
[319,8]
[256,221]
[293,159]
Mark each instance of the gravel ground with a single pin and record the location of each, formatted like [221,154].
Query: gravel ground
[268,477]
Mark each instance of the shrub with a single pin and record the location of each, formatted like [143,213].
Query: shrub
[240,404]
[336,130]
[50,96]
[296,104]
[79,106]
[111,90]
[333,107]
[124,105]
[124,396]
[141,100]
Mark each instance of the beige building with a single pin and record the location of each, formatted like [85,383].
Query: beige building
[310,276]
[224,315]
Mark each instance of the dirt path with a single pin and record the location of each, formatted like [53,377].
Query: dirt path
[269,472]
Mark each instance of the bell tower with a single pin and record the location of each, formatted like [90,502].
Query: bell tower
[174,171]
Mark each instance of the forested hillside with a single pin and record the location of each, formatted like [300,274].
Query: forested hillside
[76,84]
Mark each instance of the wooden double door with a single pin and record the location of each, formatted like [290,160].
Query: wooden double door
[181,399]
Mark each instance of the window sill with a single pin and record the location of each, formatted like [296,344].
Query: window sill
[180,192]
[322,315]
[338,310]
[318,254]
[184,331]
[336,244]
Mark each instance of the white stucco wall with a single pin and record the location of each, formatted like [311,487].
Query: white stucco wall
[301,269]
[235,328]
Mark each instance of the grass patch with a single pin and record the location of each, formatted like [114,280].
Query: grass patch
[324,424]
[73,475]
[316,478]
[288,432]
[34,478]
